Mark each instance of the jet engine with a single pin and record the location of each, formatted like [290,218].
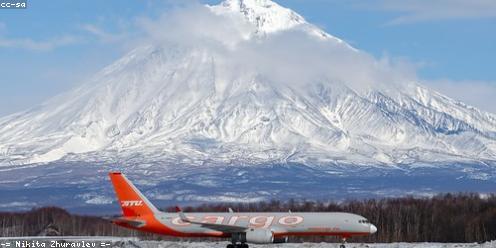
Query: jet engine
[259,236]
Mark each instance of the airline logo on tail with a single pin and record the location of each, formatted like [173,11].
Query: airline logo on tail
[131,203]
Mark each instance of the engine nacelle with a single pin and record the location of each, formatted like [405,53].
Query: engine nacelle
[259,236]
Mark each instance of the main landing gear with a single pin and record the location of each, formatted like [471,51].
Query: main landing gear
[243,245]
[238,241]
[343,243]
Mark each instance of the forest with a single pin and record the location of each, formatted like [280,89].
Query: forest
[442,218]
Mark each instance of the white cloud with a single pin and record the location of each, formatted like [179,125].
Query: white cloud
[102,35]
[291,57]
[45,45]
[423,10]
[59,41]
[295,58]
[480,94]
[194,24]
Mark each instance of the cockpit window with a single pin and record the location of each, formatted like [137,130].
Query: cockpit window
[364,221]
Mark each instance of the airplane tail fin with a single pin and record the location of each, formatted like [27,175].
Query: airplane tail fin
[132,201]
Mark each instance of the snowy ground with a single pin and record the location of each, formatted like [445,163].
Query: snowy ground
[151,244]
[130,242]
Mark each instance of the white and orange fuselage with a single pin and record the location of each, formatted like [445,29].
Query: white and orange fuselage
[252,227]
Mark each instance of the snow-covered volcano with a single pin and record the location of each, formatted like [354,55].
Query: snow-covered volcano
[217,99]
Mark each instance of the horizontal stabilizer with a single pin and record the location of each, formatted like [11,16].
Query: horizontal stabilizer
[123,221]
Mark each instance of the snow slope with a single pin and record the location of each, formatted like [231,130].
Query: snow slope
[190,104]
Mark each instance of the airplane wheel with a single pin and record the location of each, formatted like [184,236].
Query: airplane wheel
[244,246]
[342,246]
[230,246]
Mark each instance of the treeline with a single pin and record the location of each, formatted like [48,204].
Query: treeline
[443,218]
[53,221]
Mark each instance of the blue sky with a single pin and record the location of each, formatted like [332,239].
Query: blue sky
[54,45]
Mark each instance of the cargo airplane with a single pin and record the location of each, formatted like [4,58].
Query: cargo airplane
[240,228]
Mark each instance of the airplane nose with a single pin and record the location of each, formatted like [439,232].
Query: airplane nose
[373,229]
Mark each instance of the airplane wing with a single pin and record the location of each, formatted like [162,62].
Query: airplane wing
[222,228]
[216,227]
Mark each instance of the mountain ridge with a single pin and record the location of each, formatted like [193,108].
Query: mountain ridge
[191,103]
